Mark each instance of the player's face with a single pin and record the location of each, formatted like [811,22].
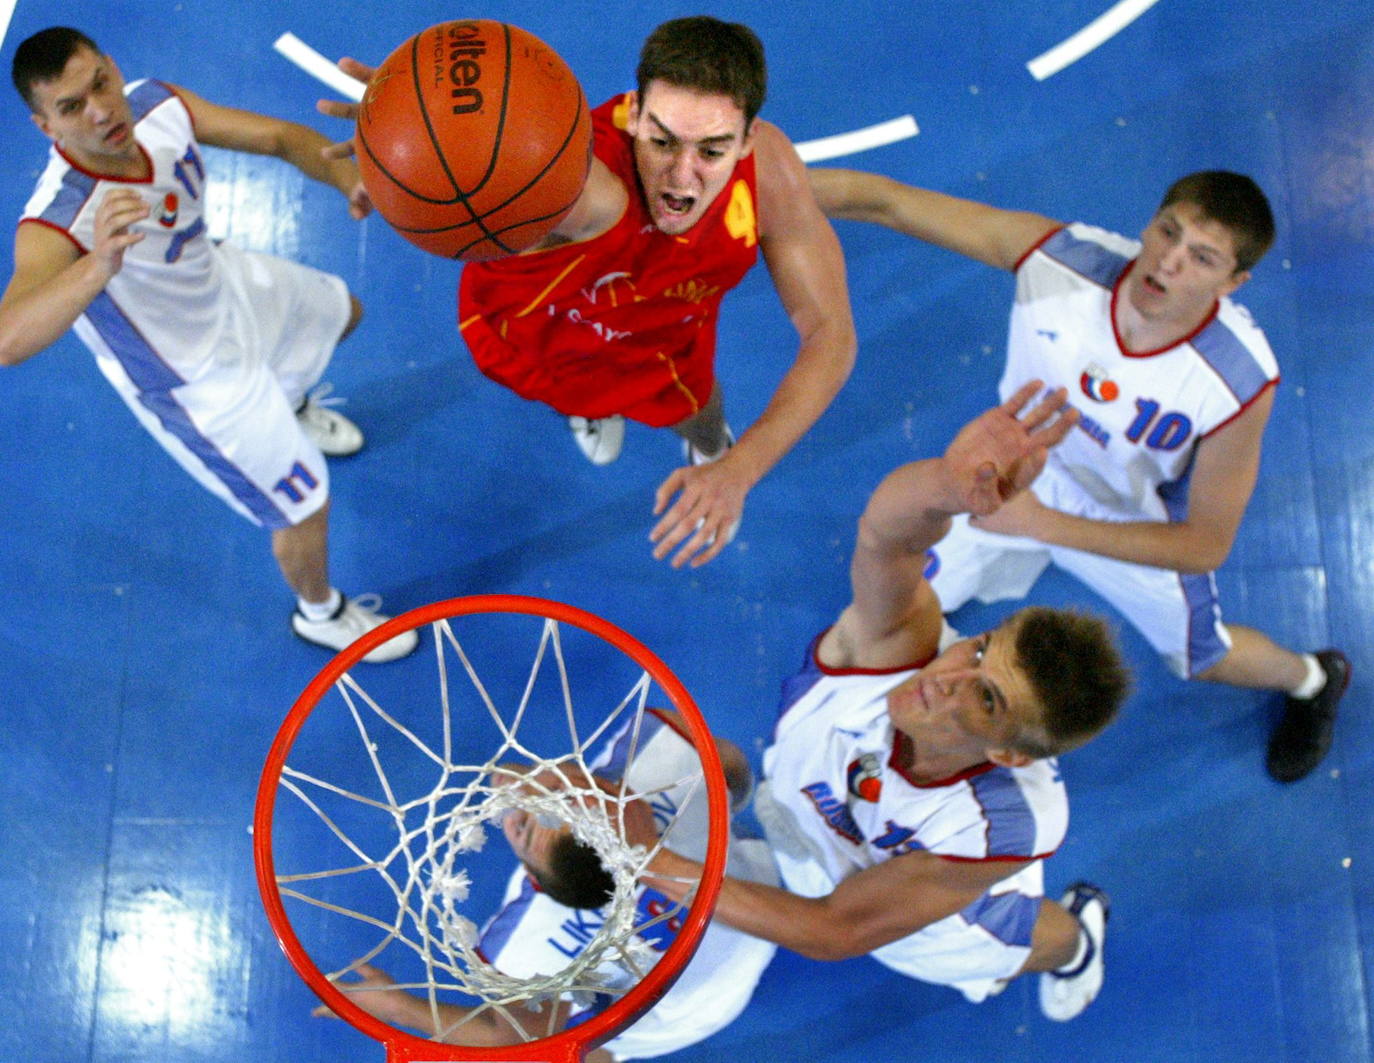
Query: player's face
[686,146]
[531,841]
[85,112]
[1187,262]
[972,700]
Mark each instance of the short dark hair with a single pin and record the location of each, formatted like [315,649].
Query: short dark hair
[1076,673]
[575,877]
[44,56]
[1232,200]
[708,55]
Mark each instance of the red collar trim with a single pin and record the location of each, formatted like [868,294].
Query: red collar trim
[1121,344]
[901,752]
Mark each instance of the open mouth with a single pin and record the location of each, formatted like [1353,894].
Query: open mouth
[1154,285]
[678,205]
[116,135]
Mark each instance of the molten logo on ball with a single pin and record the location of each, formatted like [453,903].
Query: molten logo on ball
[455,176]
[465,47]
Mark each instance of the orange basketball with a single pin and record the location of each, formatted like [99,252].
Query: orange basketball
[474,139]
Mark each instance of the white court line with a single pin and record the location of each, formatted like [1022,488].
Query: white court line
[874,136]
[317,66]
[1103,28]
[6,13]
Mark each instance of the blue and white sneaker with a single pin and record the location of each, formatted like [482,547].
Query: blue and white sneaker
[599,439]
[1064,994]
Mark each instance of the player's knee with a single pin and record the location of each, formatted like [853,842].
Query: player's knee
[355,315]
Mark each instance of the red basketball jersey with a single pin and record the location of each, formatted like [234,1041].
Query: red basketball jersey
[622,323]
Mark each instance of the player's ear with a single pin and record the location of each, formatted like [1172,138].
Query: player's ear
[41,121]
[631,105]
[747,145]
[1233,282]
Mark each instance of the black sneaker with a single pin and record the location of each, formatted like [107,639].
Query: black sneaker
[1304,734]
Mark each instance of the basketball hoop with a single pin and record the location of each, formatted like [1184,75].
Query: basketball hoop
[397,785]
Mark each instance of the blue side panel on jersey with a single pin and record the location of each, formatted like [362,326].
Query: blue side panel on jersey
[1009,917]
[1231,361]
[1088,258]
[71,197]
[147,96]
[1011,827]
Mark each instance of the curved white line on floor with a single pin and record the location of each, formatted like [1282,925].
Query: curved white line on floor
[1103,28]
[6,13]
[317,66]
[875,136]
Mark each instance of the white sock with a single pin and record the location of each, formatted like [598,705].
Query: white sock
[1078,956]
[320,610]
[1312,685]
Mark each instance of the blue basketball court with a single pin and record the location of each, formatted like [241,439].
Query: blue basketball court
[146,659]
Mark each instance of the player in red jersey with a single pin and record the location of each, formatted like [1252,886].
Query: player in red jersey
[613,315]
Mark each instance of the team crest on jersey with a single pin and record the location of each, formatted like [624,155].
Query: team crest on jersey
[167,217]
[1097,385]
[864,778]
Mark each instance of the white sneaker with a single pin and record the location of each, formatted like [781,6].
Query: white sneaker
[600,439]
[351,621]
[692,456]
[1064,994]
[331,431]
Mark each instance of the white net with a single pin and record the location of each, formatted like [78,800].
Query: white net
[398,793]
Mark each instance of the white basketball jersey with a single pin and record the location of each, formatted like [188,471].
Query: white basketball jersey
[1143,414]
[534,934]
[164,314]
[836,800]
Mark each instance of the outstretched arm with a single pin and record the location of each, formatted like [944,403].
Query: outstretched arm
[894,616]
[869,909]
[1222,480]
[376,993]
[997,237]
[301,146]
[807,267]
[54,282]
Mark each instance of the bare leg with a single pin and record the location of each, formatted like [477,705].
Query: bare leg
[706,429]
[1255,660]
[302,552]
[355,315]
[1054,941]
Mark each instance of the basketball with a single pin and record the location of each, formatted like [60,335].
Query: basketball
[473,139]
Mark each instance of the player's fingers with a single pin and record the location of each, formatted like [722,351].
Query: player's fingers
[676,481]
[345,109]
[702,543]
[1045,409]
[355,69]
[1022,395]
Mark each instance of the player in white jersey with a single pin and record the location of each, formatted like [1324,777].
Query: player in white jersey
[911,794]
[534,933]
[1174,382]
[213,349]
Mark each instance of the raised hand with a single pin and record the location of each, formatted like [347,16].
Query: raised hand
[999,453]
[345,109]
[701,521]
[120,209]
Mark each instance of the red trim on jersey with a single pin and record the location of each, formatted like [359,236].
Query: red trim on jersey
[109,176]
[55,228]
[671,720]
[826,669]
[996,858]
[902,750]
[1058,228]
[1121,344]
[1245,406]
